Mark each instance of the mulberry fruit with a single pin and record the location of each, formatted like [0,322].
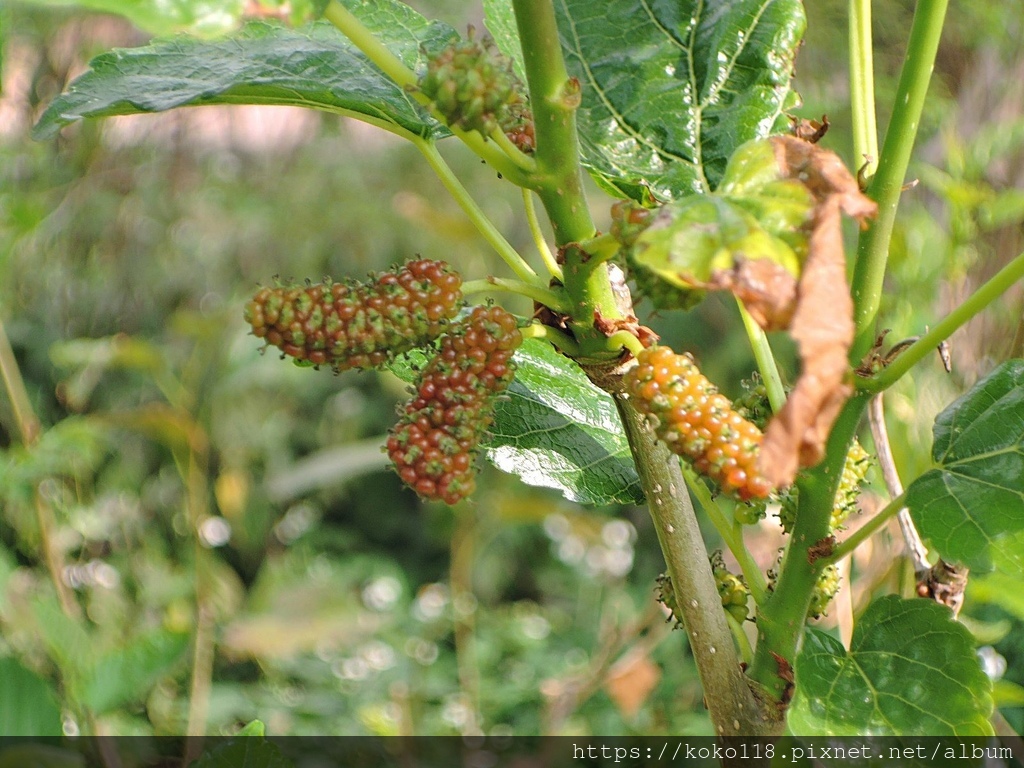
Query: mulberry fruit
[855,470]
[474,88]
[825,588]
[697,422]
[731,588]
[433,445]
[358,325]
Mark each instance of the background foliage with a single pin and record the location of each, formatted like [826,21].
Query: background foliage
[332,600]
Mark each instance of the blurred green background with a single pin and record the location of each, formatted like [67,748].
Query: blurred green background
[226,538]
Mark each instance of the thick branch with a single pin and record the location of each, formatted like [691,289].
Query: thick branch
[734,709]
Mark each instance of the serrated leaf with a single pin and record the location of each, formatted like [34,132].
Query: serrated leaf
[911,670]
[555,429]
[28,705]
[971,506]
[127,674]
[263,63]
[670,89]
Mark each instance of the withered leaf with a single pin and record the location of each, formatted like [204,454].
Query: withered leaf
[767,290]
[630,682]
[822,323]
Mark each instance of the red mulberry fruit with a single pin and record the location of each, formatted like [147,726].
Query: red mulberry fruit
[697,422]
[434,443]
[358,325]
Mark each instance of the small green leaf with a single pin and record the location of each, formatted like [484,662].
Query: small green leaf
[971,506]
[671,89]
[127,674]
[244,751]
[553,428]
[691,239]
[262,64]
[253,728]
[28,705]
[911,670]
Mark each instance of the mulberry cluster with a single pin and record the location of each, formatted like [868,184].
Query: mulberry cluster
[666,593]
[433,445]
[697,422]
[473,86]
[855,470]
[731,588]
[358,325]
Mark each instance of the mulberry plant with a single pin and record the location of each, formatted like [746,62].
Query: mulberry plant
[719,188]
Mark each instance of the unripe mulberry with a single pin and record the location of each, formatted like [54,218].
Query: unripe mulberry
[731,588]
[666,594]
[433,446]
[358,325]
[697,422]
[825,588]
[855,470]
[474,88]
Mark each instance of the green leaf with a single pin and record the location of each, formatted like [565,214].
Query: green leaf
[501,23]
[262,64]
[911,670]
[253,728]
[971,506]
[555,429]
[39,756]
[558,430]
[244,751]
[671,89]
[28,705]
[199,17]
[126,675]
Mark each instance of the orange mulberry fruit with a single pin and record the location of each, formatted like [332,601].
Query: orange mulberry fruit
[697,422]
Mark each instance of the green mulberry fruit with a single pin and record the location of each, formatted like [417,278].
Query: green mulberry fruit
[696,422]
[825,588]
[855,470]
[731,588]
[474,88]
[433,445]
[358,325]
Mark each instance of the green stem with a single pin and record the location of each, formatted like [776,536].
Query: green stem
[483,224]
[781,620]
[862,87]
[732,537]
[554,269]
[993,288]
[554,98]
[731,704]
[21,405]
[515,168]
[545,296]
[742,641]
[866,531]
[887,183]
[563,341]
[765,359]
[621,339]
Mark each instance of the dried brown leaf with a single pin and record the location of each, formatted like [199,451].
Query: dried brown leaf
[767,290]
[822,323]
[630,681]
